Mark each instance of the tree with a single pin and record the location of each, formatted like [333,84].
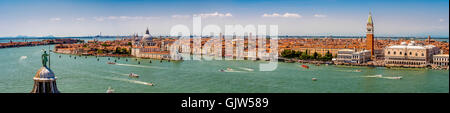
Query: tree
[118,50]
[304,56]
[315,55]
[125,51]
[99,51]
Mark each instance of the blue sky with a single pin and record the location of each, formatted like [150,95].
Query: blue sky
[294,17]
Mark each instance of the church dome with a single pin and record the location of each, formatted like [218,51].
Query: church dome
[44,73]
[147,35]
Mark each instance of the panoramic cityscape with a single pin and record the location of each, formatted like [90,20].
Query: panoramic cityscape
[279,51]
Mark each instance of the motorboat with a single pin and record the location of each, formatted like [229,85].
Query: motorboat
[110,90]
[111,62]
[133,75]
[229,69]
[358,70]
[305,66]
[314,79]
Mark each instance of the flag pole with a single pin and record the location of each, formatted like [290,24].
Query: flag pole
[49,54]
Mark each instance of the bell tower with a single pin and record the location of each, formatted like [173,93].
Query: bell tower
[369,35]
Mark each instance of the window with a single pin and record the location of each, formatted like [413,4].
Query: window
[395,52]
[389,52]
[410,53]
[416,54]
[422,54]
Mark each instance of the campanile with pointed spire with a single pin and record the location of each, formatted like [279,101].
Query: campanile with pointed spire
[369,35]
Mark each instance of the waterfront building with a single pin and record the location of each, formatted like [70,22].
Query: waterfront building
[147,47]
[352,56]
[411,54]
[369,36]
[440,60]
[44,80]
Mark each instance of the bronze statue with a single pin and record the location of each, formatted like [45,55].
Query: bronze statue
[44,59]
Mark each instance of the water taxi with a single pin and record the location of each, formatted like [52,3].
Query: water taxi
[110,90]
[133,75]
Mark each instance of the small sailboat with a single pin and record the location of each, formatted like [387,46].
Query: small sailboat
[133,75]
[110,90]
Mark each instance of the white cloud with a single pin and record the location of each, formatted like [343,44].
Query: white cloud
[79,19]
[99,19]
[320,16]
[441,20]
[124,18]
[55,19]
[285,15]
[180,16]
[215,14]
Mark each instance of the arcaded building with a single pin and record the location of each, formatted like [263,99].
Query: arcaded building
[352,56]
[440,60]
[411,54]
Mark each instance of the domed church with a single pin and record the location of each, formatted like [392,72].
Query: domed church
[147,40]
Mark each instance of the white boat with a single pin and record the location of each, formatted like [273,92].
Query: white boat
[110,90]
[229,69]
[133,75]
[314,79]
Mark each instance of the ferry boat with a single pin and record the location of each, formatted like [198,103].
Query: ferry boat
[133,75]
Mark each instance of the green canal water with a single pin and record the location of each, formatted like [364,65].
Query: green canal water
[87,75]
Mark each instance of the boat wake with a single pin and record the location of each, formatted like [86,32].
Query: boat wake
[381,76]
[131,65]
[246,69]
[133,81]
[356,71]
[230,70]
[124,74]
[128,80]
[23,57]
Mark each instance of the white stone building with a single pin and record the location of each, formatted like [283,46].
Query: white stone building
[351,56]
[440,60]
[411,54]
